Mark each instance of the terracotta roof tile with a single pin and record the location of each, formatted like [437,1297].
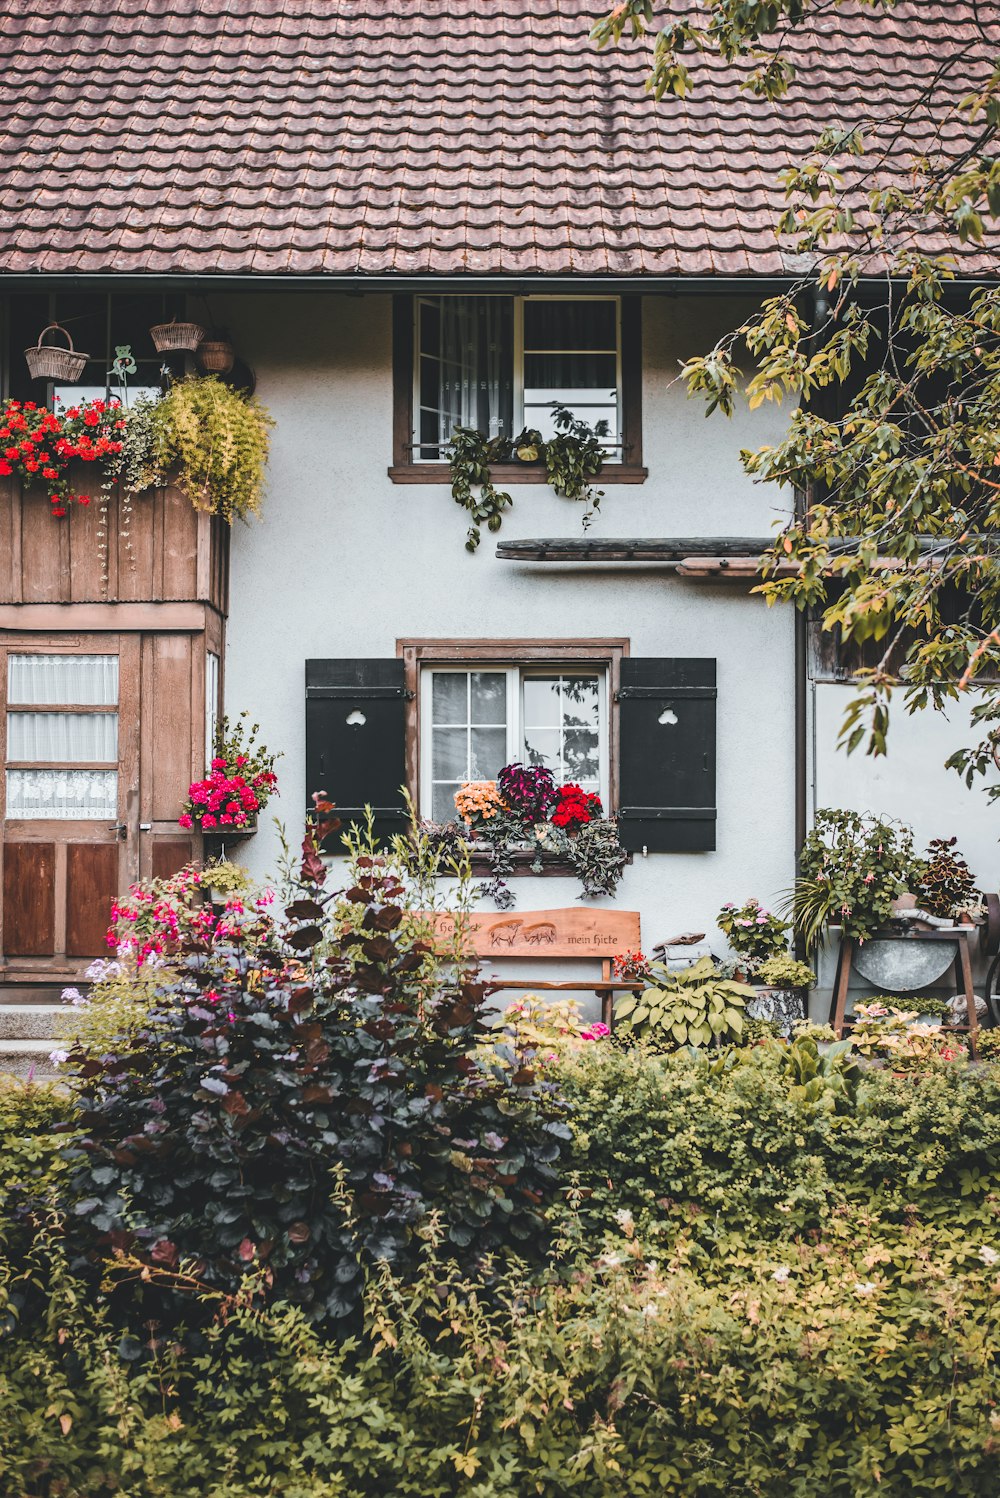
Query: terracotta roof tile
[379,137]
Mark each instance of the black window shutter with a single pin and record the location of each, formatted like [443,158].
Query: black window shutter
[356,739]
[666,786]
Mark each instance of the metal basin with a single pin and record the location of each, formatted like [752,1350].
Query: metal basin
[900,964]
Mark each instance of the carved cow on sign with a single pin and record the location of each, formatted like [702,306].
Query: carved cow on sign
[505,933]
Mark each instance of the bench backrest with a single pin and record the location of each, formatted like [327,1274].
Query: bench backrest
[547,933]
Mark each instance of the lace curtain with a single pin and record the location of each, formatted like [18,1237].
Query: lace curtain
[67,739]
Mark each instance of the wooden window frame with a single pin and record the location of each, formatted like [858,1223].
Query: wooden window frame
[403,470]
[604,654]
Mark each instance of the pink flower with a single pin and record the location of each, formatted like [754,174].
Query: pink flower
[185,820]
[208,820]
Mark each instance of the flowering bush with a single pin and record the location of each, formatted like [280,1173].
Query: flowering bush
[524,807]
[753,932]
[239,784]
[38,445]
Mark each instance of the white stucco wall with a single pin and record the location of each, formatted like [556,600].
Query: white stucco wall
[344,562]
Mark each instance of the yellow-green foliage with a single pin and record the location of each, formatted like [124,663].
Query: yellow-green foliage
[116,1008]
[217,443]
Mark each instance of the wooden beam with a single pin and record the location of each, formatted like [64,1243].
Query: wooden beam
[187,618]
[654,549]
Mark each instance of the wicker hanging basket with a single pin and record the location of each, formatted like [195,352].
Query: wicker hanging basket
[171,337]
[216,356]
[47,361]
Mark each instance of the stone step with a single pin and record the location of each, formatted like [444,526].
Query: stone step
[27,1058]
[29,1021]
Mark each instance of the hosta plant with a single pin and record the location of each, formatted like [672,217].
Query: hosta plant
[695,1007]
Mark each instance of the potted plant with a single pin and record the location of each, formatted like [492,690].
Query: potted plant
[947,886]
[853,866]
[524,809]
[753,933]
[222,881]
[240,782]
[695,1007]
[781,986]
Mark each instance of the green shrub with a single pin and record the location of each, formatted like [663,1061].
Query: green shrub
[847,1366]
[776,1136]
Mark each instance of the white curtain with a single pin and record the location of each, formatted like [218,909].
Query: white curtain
[63,738]
[67,795]
[473,361]
[62,679]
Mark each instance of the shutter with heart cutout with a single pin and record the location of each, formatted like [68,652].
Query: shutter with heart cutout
[667,754]
[356,739]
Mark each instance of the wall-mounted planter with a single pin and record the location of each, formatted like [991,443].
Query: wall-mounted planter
[167,551]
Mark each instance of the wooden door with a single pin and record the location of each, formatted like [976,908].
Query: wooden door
[101,735]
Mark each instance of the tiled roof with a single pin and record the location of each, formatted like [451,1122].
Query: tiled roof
[406,137]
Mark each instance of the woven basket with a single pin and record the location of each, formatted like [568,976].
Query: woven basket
[216,357]
[169,337]
[47,361]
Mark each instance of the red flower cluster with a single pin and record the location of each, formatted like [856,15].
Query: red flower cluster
[226,798]
[574,807]
[39,445]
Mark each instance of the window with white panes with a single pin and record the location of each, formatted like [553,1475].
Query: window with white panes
[476,719]
[62,737]
[499,365]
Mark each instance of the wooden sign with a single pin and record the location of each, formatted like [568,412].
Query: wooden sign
[544,933]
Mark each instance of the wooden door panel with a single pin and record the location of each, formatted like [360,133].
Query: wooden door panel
[29,899]
[169,855]
[91,885]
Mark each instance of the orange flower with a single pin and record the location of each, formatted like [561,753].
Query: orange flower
[477,799]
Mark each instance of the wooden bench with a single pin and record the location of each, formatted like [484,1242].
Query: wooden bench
[550,934]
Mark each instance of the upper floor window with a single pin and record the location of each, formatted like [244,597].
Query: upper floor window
[98,323]
[501,364]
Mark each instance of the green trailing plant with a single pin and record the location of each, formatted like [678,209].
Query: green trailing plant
[934,1008]
[784,972]
[225,878]
[470,455]
[597,856]
[695,1007]
[572,458]
[947,885]
[853,866]
[216,441]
